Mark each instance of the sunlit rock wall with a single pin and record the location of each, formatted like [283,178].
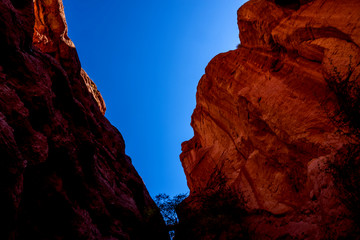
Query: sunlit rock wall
[269,119]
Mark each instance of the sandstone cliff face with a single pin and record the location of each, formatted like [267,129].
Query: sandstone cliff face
[63,169]
[273,115]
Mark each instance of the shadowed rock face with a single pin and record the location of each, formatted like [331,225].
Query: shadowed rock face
[63,169]
[270,119]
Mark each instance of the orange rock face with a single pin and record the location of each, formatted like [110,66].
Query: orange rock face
[50,36]
[63,169]
[266,117]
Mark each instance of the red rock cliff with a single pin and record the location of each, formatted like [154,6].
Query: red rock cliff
[63,169]
[277,119]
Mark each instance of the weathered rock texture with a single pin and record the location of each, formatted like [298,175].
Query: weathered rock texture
[63,169]
[274,115]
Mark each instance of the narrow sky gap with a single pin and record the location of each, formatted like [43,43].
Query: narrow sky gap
[146,59]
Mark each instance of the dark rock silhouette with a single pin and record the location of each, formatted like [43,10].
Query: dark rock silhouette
[63,169]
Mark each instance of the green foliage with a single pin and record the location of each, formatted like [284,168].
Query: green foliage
[167,206]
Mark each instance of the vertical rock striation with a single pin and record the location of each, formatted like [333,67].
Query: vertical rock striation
[63,169]
[274,117]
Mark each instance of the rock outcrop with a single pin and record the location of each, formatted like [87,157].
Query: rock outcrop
[277,119]
[63,169]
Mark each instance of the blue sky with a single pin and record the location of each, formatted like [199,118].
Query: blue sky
[146,57]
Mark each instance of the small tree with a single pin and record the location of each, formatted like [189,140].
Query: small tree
[167,207]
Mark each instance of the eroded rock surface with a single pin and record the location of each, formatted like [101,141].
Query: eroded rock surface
[269,119]
[63,169]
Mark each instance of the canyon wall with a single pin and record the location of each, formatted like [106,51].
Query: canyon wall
[63,169]
[275,151]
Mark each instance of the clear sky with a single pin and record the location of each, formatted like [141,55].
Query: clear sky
[146,57]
